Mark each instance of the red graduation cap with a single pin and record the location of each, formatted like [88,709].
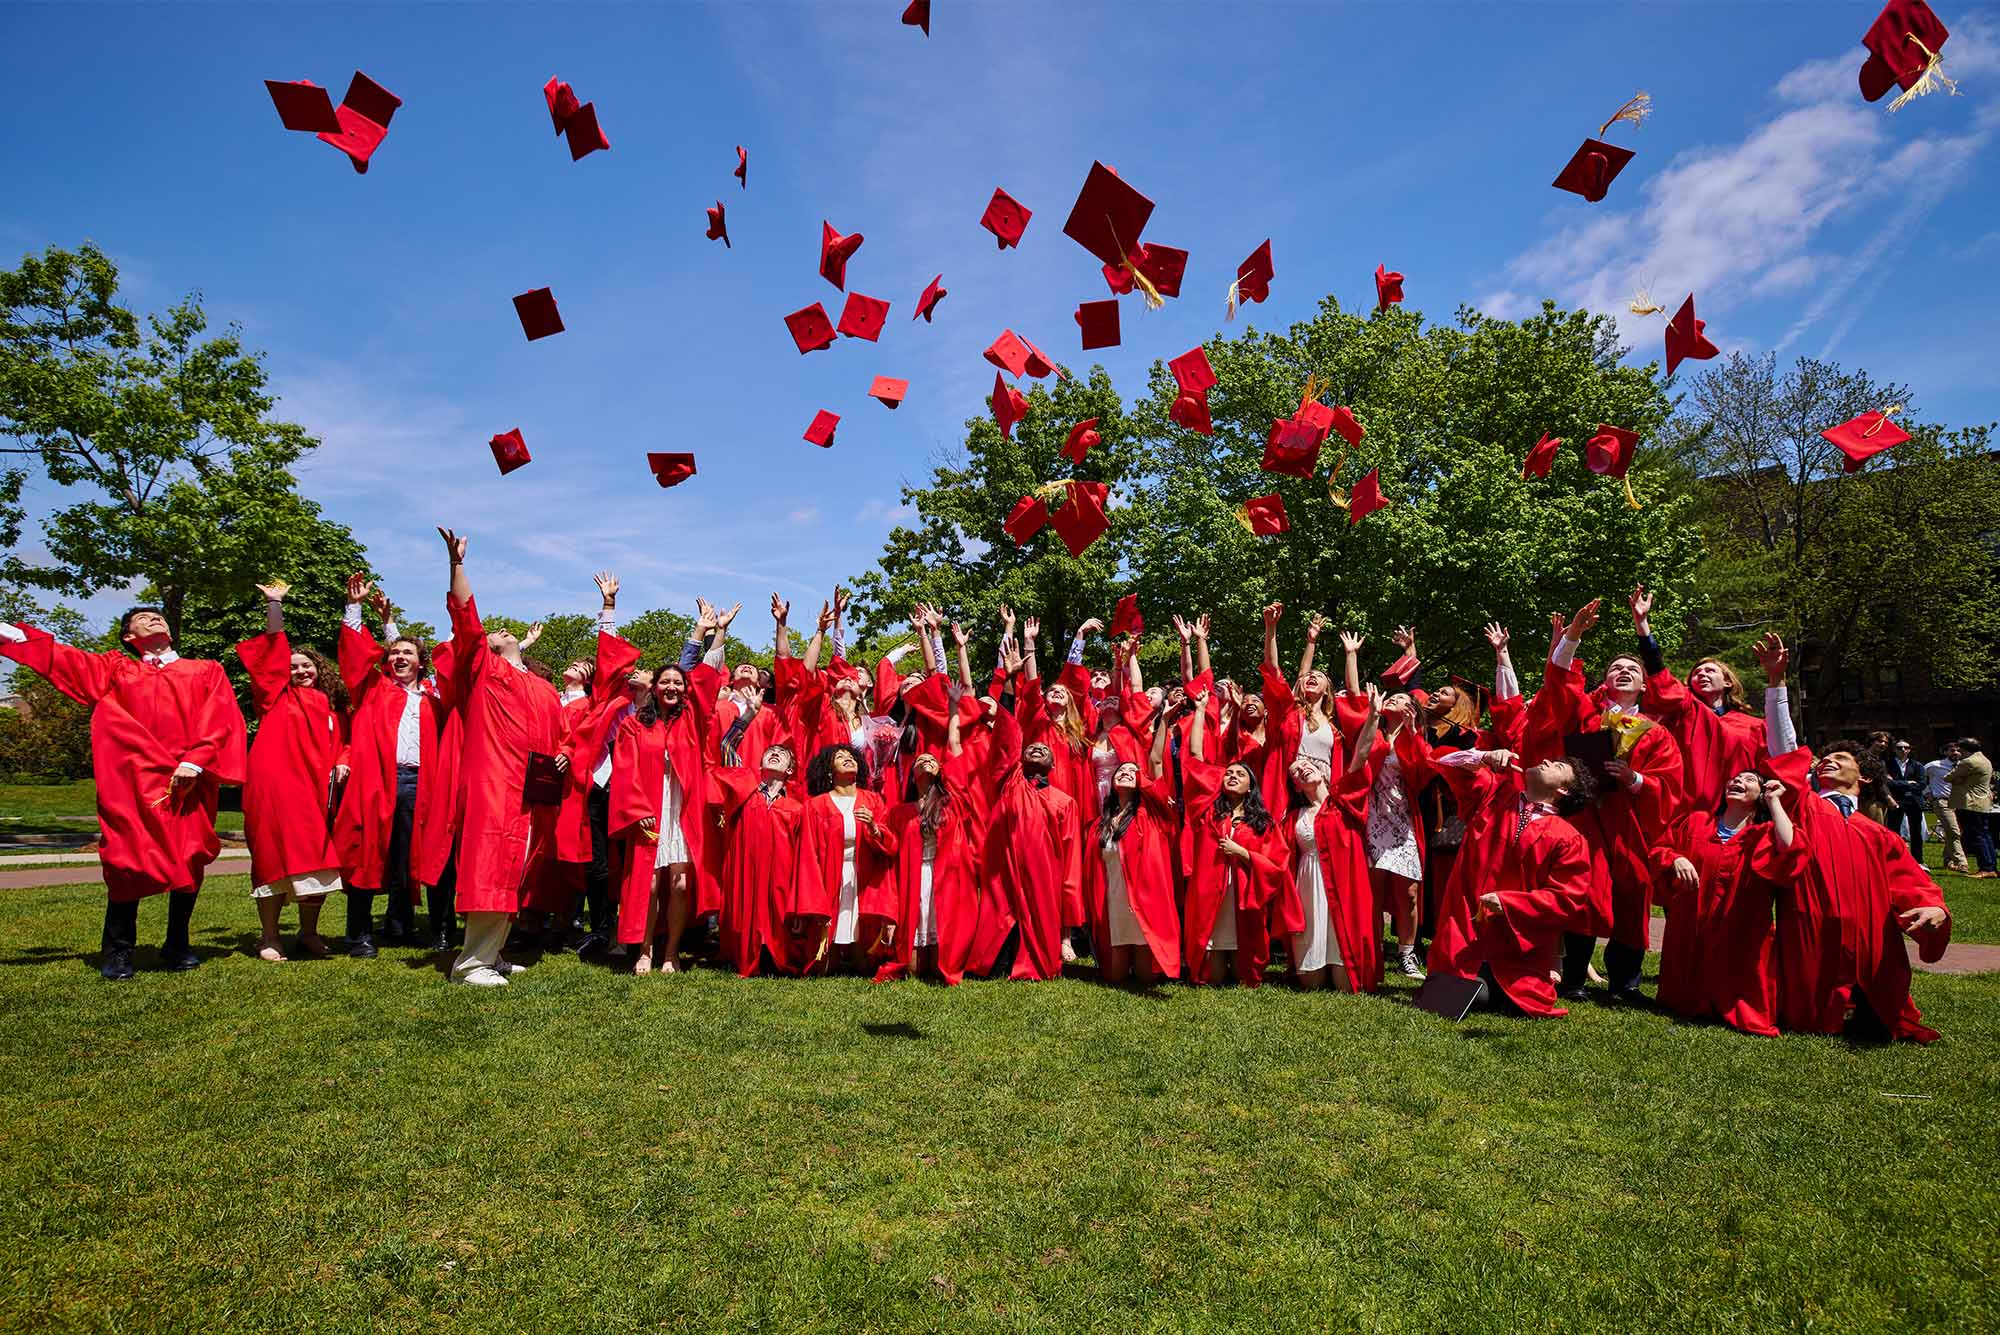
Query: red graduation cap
[1083,438]
[584,133]
[820,433]
[1009,353]
[1366,497]
[1542,456]
[1861,438]
[1592,169]
[834,251]
[1481,694]
[811,330]
[1685,340]
[1388,288]
[671,469]
[1009,405]
[1905,45]
[1608,453]
[1099,322]
[1265,515]
[1081,521]
[1162,266]
[1342,420]
[918,15]
[538,314]
[718,230]
[1025,520]
[364,116]
[742,172]
[1253,278]
[303,105]
[510,451]
[889,390]
[862,317]
[933,294]
[562,102]
[1127,617]
[1291,450]
[1006,217]
[1195,378]
[1403,671]
[1108,216]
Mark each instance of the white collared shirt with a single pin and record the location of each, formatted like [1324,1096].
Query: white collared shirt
[410,727]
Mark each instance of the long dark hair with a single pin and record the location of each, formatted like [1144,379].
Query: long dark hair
[1254,815]
[1758,811]
[648,709]
[819,770]
[931,805]
[1115,819]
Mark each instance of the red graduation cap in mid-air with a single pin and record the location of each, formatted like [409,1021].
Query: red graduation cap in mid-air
[1099,322]
[1388,287]
[820,433]
[1195,378]
[1862,438]
[742,172]
[863,317]
[889,390]
[303,105]
[539,317]
[1083,438]
[918,15]
[1685,339]
[834,252]
[1080,520]
[1108,217]
[1162,266]
[933,293]
[364,116]
[577,120]
[1541,457]
[1366,497]
[671,469]
[1292,450]
[1006,217]
[1008,352]
[718,229]
[1591,170]
[1609,453]
[1009,405]
[1265,515]
[1905,50]
[811,330]
[1253,278]
[1025,520]
[510,451]
[1126,616]
[1342,420]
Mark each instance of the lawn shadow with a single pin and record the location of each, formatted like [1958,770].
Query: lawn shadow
[900,1029]
[51,955]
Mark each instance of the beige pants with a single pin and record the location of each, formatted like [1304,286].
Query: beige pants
[485,934]
[1947,824]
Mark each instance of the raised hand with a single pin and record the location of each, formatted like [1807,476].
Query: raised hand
[958,635]
[1031,630]
[1585,618]
[1773,793]
[1374,700]
[1182,628]
[454,545]
[1404,638]
[722,622]
[825,617]
[1006,620]
[899,652]
[780,609]
[378,603]
[840,599]
[1090,627]
[1201,626]
[275,591]
[704,615]
[1315,626]
[607,585]
[1641,603]
[1772,656]
[1497,636]
[1272,611]
[357,586]
[528,640]
[1351,643]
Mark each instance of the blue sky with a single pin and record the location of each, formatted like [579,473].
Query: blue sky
[1424,137]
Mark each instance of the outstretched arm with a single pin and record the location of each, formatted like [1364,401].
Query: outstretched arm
[817,643]
[1271,615]
[454,547]
[781,638]
[1506,686]
[1779,739]
[1350,650]
[274,605]
[1364,742]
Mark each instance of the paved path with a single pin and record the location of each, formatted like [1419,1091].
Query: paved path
[1967,958]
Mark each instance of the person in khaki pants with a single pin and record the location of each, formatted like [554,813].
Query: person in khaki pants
[1971,801]
[1937,800]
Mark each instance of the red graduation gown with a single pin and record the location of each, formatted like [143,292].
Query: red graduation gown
[1070,770]
[1339,835]
[1146,861]
[585,726]
[1208,873]
[954,875]
[507,845]
[436,843]
[366,819]
[759,839]
[1032,866]
[1714,747]
[144,722]
[1837,932]
[1716,961]
[285,796]
[822,839]
[640,755]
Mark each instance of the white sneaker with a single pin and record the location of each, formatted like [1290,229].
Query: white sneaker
[507,968]
[481,977]
[1407,962]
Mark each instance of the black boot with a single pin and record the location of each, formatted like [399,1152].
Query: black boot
[121,931]
[177,956]
[1575,965]
[442,915]
[361,924]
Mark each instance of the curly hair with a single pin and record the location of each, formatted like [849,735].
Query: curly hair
[1874,774]
[1582,788]
[819,770]
[423,653]
[330,683]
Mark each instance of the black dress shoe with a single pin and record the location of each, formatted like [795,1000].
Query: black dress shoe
[117,966]
[179,961]
[592,943]
[361,948]
[442,941]
[1578,993]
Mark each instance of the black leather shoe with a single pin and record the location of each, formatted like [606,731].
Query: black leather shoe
[442,941]
[1574,994]
[592,944]
[179,961]
[117,966]
[361,948]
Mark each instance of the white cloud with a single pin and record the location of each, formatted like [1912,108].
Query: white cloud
[804,515]
[887,514]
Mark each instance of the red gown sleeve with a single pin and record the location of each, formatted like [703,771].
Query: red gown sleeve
[1551,905]
[82,677]
[220,746]
[359,652]
[267,658]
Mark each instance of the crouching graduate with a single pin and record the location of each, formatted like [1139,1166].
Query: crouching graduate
[165,734]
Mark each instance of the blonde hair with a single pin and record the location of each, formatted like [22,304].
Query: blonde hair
[1732,685]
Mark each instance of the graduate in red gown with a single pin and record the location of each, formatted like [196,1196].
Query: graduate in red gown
[845,905]
[1234,857]
[1339,937]
[1842,966]
[1723,873]
[757,831]
[594,690]
[508,841]
[938,828]
[165,734]
[1522,878]
[1718,735]
[295,763]
[1128,869]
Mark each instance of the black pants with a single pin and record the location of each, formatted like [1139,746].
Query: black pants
[1908,821]
[399,913]
[597,896]
[121,923]
[443,901]
[1622,963]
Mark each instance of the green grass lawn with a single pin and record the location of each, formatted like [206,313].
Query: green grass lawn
[68,808]
[358,1146]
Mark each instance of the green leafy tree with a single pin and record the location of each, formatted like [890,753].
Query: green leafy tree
[47,735]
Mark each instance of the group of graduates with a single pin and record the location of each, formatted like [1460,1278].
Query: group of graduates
[828,817]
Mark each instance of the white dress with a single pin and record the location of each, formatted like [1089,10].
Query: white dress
[1316,745]
[1125,929]
[1222,936]
[850,894]
[673,842]
[1104,761]
[927,928]
[1314,948]
[1392,837]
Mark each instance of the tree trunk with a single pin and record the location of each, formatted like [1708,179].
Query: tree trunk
[171,599]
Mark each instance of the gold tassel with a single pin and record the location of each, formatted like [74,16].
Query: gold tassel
[1145,285]
[1337,496]
[1313,388]
[1930,81]
[1242,513]
[1334,476]
[1052,493]
[1633,112]
[1642,304]
[1230,314]
[1886,414]
[1630,499]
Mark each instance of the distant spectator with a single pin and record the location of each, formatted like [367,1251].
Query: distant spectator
[1878,802]
[1937,799]
[1972,799]
[1906,786]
